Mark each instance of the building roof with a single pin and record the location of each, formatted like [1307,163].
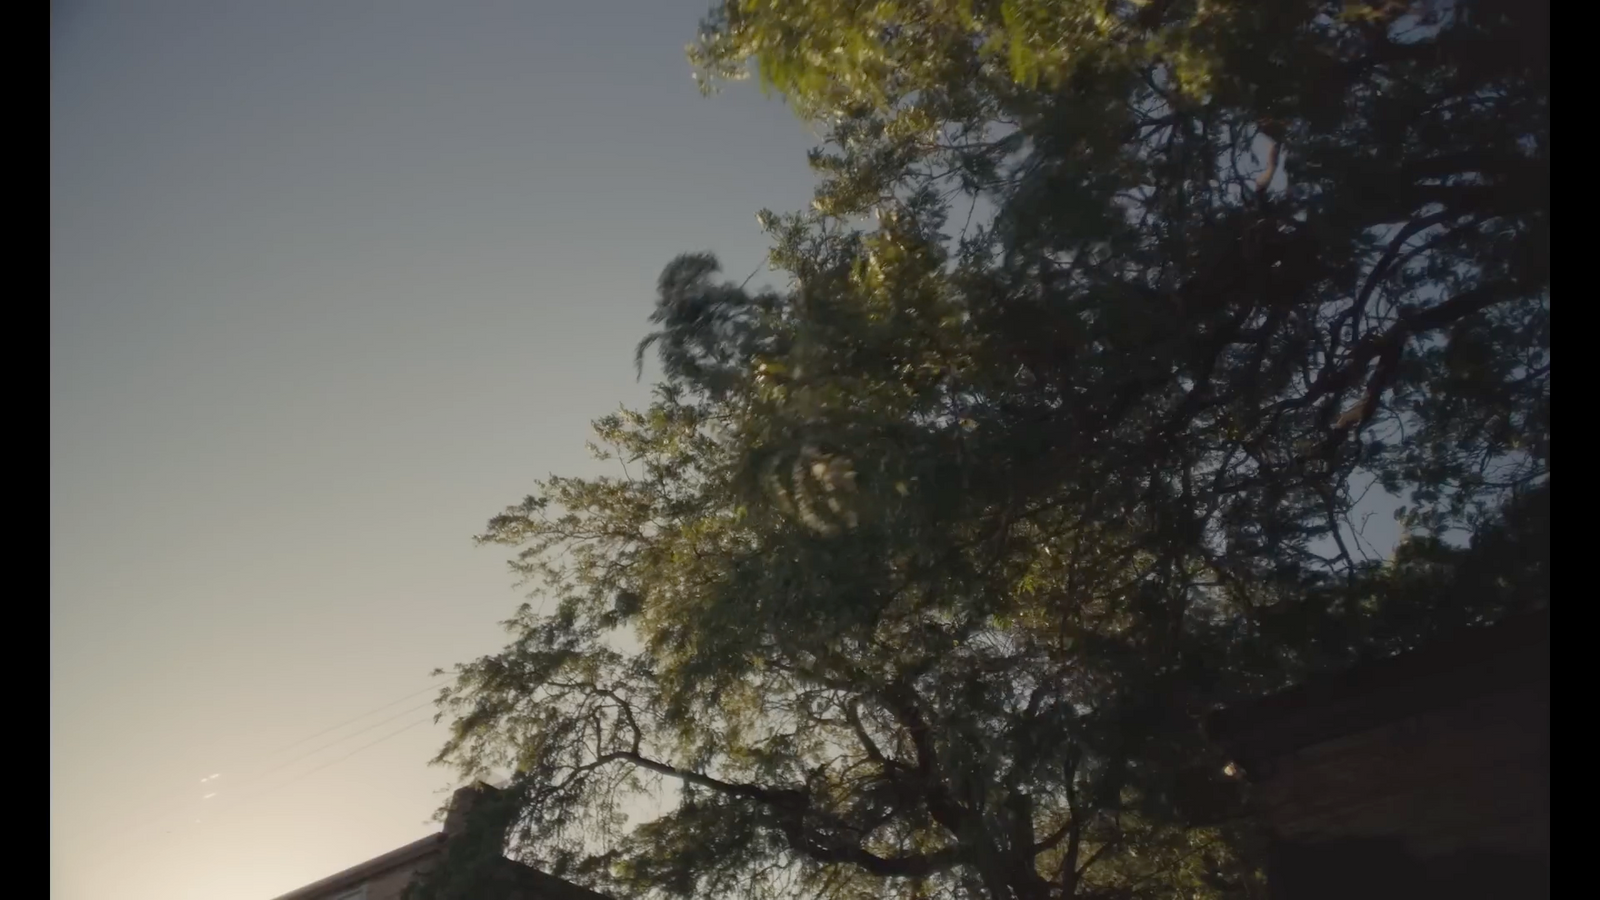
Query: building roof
[1472,662]
[466,803]
[355,875]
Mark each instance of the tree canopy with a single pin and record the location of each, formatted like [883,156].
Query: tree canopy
[917,575]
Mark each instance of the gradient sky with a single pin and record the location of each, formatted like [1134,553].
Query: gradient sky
[331,283]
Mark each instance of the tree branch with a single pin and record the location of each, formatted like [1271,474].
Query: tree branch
[1381,268]
[793,809]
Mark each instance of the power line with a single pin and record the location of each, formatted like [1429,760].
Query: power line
[350,721]
[315,750]
[172,807]
[332,762]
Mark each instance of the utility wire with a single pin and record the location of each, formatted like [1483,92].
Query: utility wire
[355,719]
[174,806]
[249,797]
[315,750]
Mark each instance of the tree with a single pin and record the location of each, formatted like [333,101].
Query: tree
[919,572]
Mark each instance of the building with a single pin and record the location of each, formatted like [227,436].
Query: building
[386,877]
[1423,775]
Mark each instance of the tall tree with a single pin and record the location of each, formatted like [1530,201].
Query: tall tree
[918,573]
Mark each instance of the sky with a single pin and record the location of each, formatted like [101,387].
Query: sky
[331,283]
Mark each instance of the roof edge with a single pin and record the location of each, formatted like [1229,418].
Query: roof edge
[1471,662]
[361,871]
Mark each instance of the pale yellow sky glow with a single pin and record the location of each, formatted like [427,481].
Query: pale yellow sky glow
[332,283]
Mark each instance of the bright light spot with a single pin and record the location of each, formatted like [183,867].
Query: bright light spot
[209,796]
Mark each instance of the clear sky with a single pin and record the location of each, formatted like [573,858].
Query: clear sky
[332,282]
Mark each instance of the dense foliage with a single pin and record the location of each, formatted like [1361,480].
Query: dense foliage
[919,572]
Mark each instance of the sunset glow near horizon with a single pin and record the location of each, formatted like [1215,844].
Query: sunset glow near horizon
[331,284]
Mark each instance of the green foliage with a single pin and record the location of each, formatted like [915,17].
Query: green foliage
[918,574]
